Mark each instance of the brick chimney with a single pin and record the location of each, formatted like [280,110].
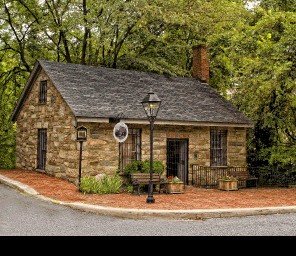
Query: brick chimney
[200,63]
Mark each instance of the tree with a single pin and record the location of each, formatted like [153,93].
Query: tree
[264,84]
[279,5]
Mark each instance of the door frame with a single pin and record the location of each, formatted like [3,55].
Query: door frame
[176,149]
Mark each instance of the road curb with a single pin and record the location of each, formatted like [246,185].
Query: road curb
[18,185]
[198,214]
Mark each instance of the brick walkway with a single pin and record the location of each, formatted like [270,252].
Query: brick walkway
[193,198]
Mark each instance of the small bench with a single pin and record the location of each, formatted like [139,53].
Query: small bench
[138,179]
[244,179]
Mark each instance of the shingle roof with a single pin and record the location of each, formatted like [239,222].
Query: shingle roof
[105,92]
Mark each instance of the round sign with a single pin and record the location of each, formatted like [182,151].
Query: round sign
[120,132]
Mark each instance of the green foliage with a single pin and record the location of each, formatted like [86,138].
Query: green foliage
[158,166]
[134,166]
[265,85]
[130,188]
[7,129]
[88,184]
[7,140]
[143,166]
[107,185]
[282,155]
[279,5]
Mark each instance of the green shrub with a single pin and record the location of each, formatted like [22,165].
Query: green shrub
[88,184]
[158,166]
[107,185]
[130,188]
[143,166]
[134,166]
[110,185]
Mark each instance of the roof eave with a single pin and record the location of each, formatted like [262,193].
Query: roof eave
[164,122]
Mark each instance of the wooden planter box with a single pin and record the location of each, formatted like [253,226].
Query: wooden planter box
[174,188]
[228,185]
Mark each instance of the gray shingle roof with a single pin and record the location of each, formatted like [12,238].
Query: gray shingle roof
[105,92]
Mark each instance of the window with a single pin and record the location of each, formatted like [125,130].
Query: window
[43,91]
[130,149]
[218,147]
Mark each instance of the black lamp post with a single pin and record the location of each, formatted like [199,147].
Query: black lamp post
[151,104]
[81,137]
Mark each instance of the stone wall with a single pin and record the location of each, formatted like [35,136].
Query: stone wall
[100,152]
[198,144]
[58,119]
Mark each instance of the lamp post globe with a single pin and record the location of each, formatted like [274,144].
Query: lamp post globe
[151,104]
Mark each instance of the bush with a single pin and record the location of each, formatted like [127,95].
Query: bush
[134,166]
[157,166]
[143,166]
[107,185]
[88,184]
[110,184]
[129,188]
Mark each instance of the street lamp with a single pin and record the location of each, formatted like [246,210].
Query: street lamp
[81,137]
[151,104]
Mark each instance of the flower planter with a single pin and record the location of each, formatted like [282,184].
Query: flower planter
[228,185]
[174,188]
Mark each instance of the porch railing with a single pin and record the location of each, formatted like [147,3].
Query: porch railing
[207,177]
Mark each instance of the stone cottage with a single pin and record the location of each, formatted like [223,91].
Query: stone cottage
[195,125]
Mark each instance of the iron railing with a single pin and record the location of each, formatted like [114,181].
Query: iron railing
[208,177]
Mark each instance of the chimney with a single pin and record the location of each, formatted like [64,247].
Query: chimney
[200,63]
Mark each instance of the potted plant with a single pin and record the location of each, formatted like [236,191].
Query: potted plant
[174,185]
[228,183]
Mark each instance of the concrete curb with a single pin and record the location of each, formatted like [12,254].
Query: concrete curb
[18,185]
[180,214]
[198,214]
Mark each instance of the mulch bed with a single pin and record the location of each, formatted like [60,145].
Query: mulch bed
[193,198]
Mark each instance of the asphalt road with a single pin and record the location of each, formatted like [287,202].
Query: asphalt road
[23,215]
